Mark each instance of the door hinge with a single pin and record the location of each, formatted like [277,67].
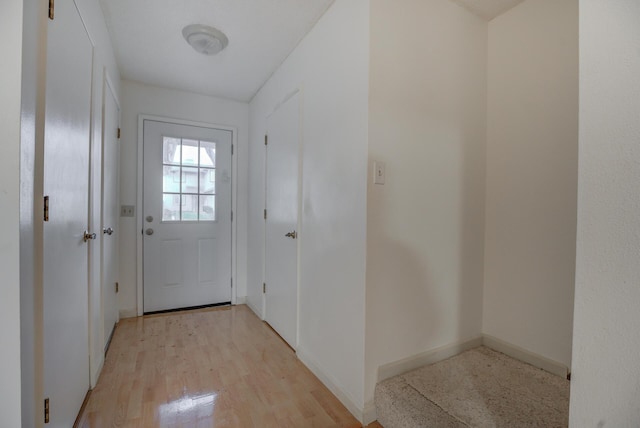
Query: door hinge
[46,208]
[232,150]
[52,8]
[46,410]
[265,213]
[232,216]
[118,133]
[264,287]
[231,282]
[117,287]
[266,140]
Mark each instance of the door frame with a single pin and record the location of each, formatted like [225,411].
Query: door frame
[299,228]
[139,216]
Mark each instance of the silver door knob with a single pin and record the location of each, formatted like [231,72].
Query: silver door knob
[88,236]
[292,235]
[108,231]
[149,231]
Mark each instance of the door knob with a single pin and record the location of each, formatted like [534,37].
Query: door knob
[292,235]
[88,236]
[149,231]
[108,231]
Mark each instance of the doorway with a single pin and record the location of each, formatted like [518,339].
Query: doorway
[186,216]
[66,238]
[281,218]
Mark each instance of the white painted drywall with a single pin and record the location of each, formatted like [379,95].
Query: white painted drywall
[425,224]
[103,63]
[140,99]
[532,162]
[330,66]
[605,383]
[10,94]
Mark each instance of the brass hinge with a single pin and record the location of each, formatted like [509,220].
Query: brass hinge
[117,287]
[52,8]
[118,133]
[266,140]
[264,287]
[46,410]
[265,213]
[46,208]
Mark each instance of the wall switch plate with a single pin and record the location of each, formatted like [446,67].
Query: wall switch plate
[127,210]
[378,173]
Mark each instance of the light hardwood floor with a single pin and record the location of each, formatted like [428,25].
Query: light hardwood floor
[208,368]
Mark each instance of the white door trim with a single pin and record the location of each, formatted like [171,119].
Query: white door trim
[139,216]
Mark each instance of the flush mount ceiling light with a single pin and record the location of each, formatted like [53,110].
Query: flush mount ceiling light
[204,39]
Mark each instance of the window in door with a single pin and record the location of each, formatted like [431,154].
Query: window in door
[189,180]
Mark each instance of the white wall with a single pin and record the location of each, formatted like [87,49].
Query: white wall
[532,163]
[425,225]
[10,94]
[103,63]
[330,67]
[139,99]
[605,382]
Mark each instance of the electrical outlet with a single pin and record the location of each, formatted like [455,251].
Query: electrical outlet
[127,210]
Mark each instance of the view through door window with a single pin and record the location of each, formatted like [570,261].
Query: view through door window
[189,180]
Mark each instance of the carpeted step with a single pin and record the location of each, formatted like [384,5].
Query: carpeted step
[478,388]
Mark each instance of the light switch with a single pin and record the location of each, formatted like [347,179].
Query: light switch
[378,173]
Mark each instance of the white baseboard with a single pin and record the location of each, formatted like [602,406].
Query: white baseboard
[254,309]
[522,354]
[241,300]
[128,313]
[369,413]
[429,357]
[96,372]
[331,383]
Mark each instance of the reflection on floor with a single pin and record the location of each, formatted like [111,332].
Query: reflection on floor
[218,367]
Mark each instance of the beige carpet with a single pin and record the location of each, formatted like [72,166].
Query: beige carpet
[478,388]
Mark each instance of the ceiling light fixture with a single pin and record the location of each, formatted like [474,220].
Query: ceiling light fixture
[204,39]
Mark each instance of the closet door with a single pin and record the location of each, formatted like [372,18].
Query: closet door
[66,240]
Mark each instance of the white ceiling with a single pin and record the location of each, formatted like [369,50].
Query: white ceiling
[488,9]
[149,47]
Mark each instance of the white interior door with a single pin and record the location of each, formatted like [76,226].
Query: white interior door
[66,183]
[281,260]
[187,216]
[110,170]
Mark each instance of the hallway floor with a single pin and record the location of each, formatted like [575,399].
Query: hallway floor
[219,367]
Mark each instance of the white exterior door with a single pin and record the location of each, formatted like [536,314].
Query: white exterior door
[110,213]
[281,260]
[66,183]
[186,216]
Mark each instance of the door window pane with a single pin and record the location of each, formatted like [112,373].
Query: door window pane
[190,152]
[207,154]
[207,181]
[207,207]
[189,207]
[171,151]
[188,180]
[171,179]
[170,207]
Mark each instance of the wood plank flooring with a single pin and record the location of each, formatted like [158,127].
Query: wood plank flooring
[218,367]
